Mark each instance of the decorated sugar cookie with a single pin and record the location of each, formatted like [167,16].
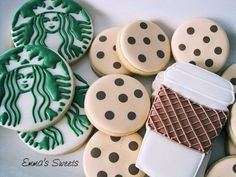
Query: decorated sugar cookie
[69,133]
[232,124]
[103,57]
[106,156]
[143,47]
[225,167]
[202,42]
[61,25]
[117,104]
[37,87]
[230,75]
[230,147]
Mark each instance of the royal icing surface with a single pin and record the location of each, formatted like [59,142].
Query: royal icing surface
[208,89]
[37,87]
[158,154]
[232,124]
[117,104]
[69,133]
[230,75]
[143,47]
[106,156]
[103,57]
[201,42]
[61,25]
[224,167]
[230,147]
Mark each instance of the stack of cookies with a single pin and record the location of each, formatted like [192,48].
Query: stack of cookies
[54,110]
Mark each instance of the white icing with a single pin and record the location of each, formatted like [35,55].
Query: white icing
[199,85]
[162,157]
[157,83]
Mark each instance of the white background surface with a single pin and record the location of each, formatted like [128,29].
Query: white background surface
[168,14]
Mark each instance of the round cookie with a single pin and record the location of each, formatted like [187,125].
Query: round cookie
[118,156]
[201,42]
[230,75]
[232,124]
[117,104]
[69,133]
[103,57]
[225,167]
[143,47]
[230,147]
[37,87]
[61,25]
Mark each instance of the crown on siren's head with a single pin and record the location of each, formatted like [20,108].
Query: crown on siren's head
[23,59]
[50,6]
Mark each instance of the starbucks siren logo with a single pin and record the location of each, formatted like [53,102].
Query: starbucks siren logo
[61,25]
[36,87]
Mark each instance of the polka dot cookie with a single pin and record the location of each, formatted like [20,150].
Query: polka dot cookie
[143,47]
[103,57]
[230,147]
[225,167]
[230,75]
[201,42]
[106,156]
[117,104]
[232,124]
[69,133]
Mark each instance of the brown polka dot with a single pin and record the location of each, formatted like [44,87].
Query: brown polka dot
[193,62]
[182,47]
[138,93]
[101,174]
[101,95]
[113,157]
[133,170]
[95,152]
[115,139]
[214,28]
[118,176]
[160,54]
[142,58]
[123,98]
[161,37]
[114,47]
[131,40]
[102,38]
[197,52]
[133,146]
[117,65]
[119,82]
[143,25]
[233,81]
[218,50]
[209,62]
[131,115]
[234,168]
[190,30]
[146,40]
[206,39]
[109,115]
[100,55]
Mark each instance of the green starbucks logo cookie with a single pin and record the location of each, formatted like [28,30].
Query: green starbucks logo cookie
[69,133]
[61,25]
[36,88]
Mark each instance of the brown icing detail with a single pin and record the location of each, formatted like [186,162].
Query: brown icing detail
[185,121]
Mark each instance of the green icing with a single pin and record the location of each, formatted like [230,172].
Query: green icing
[31,74]
[32,26]
[77,122]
